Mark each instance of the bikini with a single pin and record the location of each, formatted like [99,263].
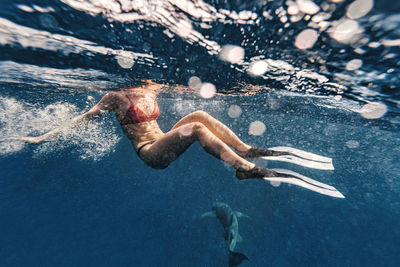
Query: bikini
[135,115]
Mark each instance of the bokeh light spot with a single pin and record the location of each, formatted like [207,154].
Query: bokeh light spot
[359,8]
[194,82]
[373,110]
[275,183]
[257,128]
[234,111]
[124,62]
[306,39]
[207,90]
[231,53]
[354,64]
[337,97]
[257,68]
[307,7]
[346,31]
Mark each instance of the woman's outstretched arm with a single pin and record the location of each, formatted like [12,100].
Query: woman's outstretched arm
[105,105]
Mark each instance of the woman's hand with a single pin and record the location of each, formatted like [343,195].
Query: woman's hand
[27,139]
[31,140]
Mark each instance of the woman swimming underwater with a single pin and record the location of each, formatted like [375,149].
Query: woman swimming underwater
[137,110]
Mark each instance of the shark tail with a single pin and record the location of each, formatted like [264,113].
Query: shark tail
[236,258]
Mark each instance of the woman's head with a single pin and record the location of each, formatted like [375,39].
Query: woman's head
[143,84]
[151,85]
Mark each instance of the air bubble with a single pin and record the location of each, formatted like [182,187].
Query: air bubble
[207,90]
[307,6]
[275,183]
[124,62]
[234,111]
[257,68]
[293,9]
[359,8]
[352,144]
[346,31]
[373,110]
[231,53]
[26,8]
[194,82]
[354,64]
[257,128]
[306,39]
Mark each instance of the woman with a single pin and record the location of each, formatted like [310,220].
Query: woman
[137,110]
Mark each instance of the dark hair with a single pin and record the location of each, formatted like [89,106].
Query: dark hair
[134,83]
[140,82]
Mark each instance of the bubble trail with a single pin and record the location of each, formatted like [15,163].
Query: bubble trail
[18,119]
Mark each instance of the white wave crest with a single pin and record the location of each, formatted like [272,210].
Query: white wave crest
[17,35]
[76,78]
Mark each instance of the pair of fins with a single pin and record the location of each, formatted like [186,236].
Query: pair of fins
[305,159]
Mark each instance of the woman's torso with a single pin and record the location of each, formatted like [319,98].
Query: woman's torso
[136,112]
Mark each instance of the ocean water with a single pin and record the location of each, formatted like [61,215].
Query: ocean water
[321,76]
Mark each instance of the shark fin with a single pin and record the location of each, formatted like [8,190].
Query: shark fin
[208,214]
[239,238]
[241,215]
[236,258]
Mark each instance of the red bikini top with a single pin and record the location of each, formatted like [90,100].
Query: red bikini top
[136,115]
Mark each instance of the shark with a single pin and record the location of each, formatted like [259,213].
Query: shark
[229,220]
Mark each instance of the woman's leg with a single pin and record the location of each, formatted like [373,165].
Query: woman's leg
[216,127]
[227,136]
[170,146]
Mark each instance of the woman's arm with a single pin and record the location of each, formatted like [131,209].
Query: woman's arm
[106,104]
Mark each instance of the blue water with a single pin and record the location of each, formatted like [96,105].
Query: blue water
[87,199]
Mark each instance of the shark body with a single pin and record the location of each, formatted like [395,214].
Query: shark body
[229,220]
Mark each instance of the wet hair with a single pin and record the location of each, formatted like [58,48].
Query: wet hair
[133,84]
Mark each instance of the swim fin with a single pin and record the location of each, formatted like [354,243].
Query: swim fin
[300,157]
[306,182]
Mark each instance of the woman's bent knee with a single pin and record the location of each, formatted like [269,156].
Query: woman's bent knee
[200,114]
[198,128]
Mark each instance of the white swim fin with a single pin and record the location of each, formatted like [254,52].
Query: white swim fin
[301,158]
[305,182]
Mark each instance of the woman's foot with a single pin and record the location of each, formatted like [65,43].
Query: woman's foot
[258,172]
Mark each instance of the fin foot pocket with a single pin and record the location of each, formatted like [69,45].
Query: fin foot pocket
[255,172]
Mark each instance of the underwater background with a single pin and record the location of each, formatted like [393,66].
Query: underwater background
[321,76]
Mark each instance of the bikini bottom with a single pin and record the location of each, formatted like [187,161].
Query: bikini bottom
[142,146]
